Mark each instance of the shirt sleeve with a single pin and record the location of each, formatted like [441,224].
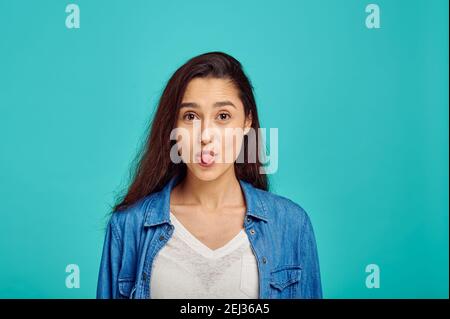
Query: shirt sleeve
[311,286]
[107,285]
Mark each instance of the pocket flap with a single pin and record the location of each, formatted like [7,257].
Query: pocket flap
[283,276]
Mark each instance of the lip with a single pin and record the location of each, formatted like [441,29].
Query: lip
[206,165]
[199,158]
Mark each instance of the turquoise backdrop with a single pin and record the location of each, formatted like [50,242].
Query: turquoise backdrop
[362,116]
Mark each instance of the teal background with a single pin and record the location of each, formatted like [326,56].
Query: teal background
[362,117]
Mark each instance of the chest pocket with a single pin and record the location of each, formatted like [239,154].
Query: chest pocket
[285,281]
[126,287]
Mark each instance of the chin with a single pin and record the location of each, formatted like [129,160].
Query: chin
[209,174]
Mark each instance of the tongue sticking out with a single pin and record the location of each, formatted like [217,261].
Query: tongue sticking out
[207,158]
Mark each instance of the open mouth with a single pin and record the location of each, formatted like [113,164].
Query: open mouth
[206,158]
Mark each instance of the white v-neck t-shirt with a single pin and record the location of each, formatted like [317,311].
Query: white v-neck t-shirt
[187,268]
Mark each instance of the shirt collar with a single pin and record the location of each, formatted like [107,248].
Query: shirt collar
[158,206]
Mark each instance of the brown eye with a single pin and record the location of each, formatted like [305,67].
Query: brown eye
[224,116]
[189,116]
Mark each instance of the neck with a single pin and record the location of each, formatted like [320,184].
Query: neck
[214,194]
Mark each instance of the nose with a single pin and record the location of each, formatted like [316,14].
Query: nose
[206,134]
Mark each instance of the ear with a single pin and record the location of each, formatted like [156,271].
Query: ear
[248,123]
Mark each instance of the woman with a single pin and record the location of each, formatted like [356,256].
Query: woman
[198,220]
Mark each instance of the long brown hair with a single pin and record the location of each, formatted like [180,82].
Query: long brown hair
[154,167]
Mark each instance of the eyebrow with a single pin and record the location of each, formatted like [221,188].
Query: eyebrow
[217,104]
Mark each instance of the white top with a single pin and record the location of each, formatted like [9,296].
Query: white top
[187,268]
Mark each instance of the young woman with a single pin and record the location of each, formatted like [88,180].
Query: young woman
[198,220]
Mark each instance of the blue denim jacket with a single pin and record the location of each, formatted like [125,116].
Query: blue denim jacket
[279,231]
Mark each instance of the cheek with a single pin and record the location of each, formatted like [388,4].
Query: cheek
[231,146]
[185,143]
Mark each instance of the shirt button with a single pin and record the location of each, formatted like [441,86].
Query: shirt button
[248,219]
[252,231]
[161,238]
[264,260]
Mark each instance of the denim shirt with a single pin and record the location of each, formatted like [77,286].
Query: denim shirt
[280,234]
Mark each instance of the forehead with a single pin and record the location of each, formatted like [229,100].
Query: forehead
[209,90]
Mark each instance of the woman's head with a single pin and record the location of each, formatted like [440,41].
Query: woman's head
[204,112]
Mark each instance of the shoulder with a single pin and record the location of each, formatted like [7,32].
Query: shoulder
[281,209]
[132,218]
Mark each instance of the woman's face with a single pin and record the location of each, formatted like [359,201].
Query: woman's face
[212,123]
